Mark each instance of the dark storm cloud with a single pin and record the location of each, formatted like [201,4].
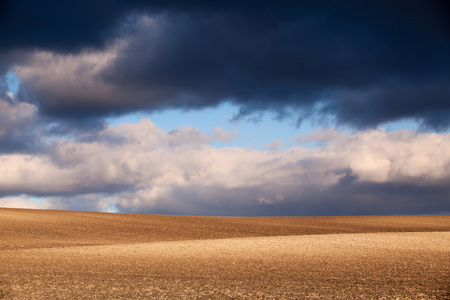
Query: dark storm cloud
[67,26]
[427,102]
[71,26]
[363,63]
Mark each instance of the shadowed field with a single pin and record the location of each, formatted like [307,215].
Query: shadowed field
[79,255]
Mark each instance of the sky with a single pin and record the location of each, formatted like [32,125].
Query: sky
[226,108]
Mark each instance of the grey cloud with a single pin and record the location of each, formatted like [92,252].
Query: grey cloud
[18,132]
[352,199]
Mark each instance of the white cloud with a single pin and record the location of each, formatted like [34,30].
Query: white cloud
[150,168]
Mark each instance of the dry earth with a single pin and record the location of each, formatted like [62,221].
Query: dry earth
[79,255]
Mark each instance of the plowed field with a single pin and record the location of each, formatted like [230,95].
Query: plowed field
[79,255]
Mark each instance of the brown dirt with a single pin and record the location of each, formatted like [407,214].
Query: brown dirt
[79,255]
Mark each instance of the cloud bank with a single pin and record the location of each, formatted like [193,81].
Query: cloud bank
[141,168]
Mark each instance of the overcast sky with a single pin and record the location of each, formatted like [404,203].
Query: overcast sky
[226,107]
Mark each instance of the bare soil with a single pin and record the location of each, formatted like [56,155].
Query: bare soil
[80,255]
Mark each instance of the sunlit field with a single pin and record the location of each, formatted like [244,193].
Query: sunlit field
[81,255]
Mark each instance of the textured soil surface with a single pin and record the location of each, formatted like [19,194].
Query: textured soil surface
[78,255]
